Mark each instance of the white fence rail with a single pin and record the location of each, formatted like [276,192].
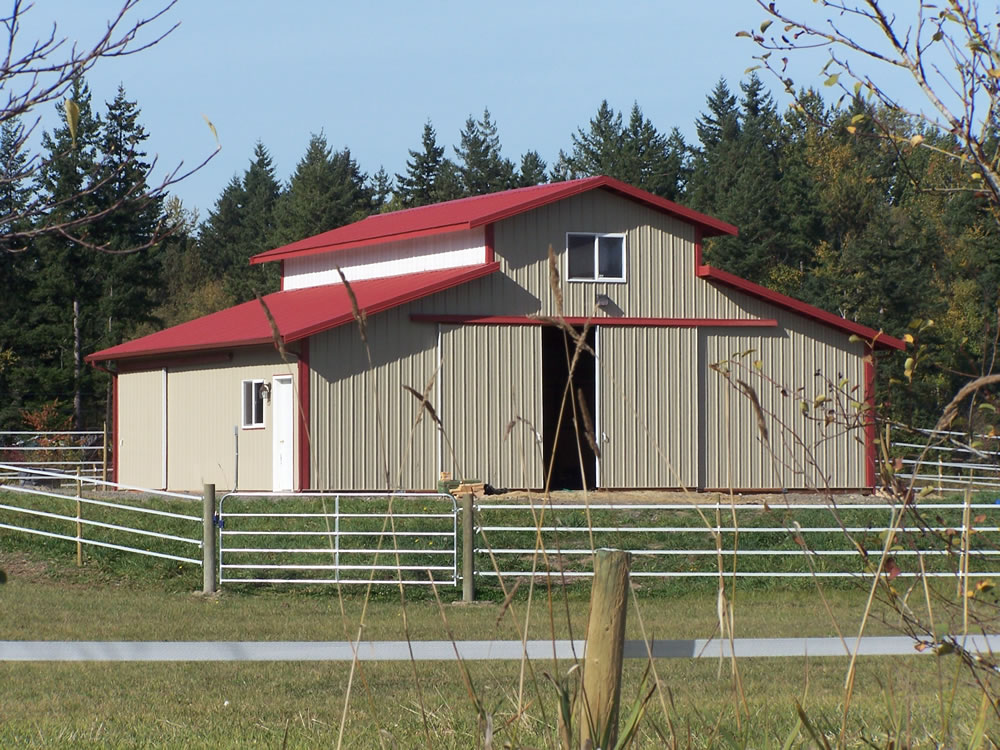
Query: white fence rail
[952,461]
[70,516]
[83,451]
[686,540]
[345,537]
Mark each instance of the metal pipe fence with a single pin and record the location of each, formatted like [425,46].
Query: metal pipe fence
[687,540]
[952,460]
[343,537]
[43,508]
[86,451]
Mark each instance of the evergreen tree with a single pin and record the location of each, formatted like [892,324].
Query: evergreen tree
[15,375]
[647,161]
[66,282]
[482,168]
[381,190]
[327,190]
[532,170]
[597,150]
[423,168]
[130,267]
[242,224]
[448,186]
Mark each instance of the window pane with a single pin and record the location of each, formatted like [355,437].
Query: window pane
[610,257]
[581,256]
[258,402]
[247,402]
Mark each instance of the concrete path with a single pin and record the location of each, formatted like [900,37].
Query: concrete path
[446,651]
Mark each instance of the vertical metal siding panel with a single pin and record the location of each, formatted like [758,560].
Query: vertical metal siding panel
[140,428]
[804,358]
[363,420]
[203,406]
[491,379]
[648,407]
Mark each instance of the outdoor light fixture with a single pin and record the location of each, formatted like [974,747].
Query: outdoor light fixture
[603,300]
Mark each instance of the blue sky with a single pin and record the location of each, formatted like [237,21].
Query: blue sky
[369,74]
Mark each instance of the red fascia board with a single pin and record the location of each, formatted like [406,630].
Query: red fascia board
[476,272]
[216,347]
[302,252]
[528,320]
[803,308]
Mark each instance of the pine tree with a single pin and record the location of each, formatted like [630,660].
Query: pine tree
[15,375]
[381,190]
[532,170]
[482,168]
[423,168]
[327,190]
[130,270]
[647,161]
[599,149]
[242,224]
[66,280]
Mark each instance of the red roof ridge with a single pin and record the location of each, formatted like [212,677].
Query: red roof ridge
[476,211]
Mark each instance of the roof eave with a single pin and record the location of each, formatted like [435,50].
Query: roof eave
[875,339]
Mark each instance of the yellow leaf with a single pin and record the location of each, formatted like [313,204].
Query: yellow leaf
[758,364]
[908,338]
[212,128]
[763,26]
[72,118]
[976,176]
[916,140]
[857,118]
[851,129]
[832,80]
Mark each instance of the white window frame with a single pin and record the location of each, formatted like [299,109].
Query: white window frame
[599,279]
[256,385]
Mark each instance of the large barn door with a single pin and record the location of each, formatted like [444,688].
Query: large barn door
[566,446]
[283,453]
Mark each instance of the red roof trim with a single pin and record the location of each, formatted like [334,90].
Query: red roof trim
[803,308]
[476,272]
[298,313]
[301,249]
[529,320]
[478,211]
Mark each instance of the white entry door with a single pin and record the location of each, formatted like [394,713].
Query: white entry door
[283,419]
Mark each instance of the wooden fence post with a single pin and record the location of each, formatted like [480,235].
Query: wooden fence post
[602,666]
[208,539]
[468,548]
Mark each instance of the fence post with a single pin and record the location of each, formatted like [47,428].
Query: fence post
[79,525]
[602,666]
[208,539]
[468,549]
[104,455]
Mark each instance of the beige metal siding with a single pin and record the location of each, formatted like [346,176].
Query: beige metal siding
[204,404]
[648,417]
[799,360]
[364,423]
[140,429]
[491,382]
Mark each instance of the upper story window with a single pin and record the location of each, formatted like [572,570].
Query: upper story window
[595,257]
[253,403]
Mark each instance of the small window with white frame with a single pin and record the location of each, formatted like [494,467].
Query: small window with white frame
[591,256]
[253,403]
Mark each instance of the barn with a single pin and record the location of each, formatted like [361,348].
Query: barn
[686,377]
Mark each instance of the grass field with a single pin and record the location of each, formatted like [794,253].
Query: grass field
[916,701]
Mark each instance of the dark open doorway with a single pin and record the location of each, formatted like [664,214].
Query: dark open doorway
[563,454]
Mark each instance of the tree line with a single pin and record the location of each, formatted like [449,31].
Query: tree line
[830,210]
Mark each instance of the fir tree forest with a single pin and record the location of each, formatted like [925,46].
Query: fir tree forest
[829,211]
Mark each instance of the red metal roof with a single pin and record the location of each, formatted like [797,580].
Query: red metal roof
[298,313]
[480,210]
[877,338]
